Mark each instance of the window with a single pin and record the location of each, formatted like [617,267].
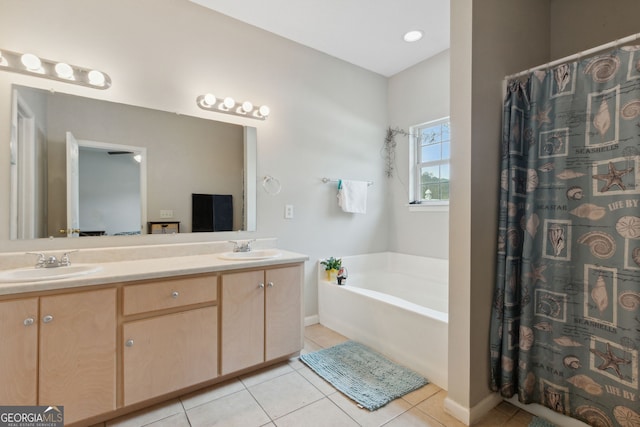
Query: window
[430,165]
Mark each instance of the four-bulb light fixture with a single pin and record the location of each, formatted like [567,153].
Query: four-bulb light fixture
[229,106]
[30,64]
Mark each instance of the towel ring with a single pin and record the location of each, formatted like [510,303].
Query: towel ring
[271,185]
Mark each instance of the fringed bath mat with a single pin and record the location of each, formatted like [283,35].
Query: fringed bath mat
[363,375]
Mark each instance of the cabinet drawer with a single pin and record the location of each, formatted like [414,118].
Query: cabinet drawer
[170,293]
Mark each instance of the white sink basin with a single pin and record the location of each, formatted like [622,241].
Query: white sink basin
[33,274]
[251,255]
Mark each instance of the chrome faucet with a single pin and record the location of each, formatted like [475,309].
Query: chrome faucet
[51,261]
[242,245]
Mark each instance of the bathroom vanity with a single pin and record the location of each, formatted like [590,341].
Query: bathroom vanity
[134,333]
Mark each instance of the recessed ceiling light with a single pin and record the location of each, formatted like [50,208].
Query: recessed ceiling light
[413,36]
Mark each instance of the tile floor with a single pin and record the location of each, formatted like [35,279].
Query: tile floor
[290,394]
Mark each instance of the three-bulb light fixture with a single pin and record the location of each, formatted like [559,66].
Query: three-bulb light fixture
[228,105]
[30,64]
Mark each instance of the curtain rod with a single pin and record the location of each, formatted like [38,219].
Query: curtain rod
[577,56]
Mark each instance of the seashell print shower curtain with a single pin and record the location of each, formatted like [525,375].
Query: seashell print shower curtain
[565,326]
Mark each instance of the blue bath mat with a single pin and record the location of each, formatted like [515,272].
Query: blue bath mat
[540,422]
[363,375]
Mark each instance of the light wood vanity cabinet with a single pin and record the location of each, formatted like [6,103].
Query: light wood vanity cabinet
[261,316]
[99,351]
[168,352]
[72,363]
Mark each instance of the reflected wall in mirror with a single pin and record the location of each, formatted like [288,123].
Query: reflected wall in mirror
[184,155]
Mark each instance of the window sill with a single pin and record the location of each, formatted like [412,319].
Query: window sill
[429,207]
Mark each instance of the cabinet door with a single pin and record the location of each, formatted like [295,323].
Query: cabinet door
[284,333]
[169,352]
[242,306]
[78,353]
[19,352]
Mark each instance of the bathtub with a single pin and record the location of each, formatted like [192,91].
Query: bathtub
[394,303]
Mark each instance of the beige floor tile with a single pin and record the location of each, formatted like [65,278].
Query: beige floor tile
[322,413]
[310,346]
[434,406]
[421,394]
[414,418]
[507,408]
[492,419]
[265,374]
[317,381]
[367,418]
[285,394]
[211,393]
[235,410]
[323,336]
[147,416]
[177,420]
[520,419]
[295,363]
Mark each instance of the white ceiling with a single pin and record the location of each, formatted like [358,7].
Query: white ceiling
[367,33]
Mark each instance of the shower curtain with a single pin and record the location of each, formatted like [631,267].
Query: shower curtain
[565,324]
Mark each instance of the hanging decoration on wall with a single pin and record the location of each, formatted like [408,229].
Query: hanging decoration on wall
[389,149]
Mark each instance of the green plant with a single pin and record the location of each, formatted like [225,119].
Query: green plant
[332,263]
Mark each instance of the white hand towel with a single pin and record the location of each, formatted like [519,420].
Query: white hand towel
[352,196]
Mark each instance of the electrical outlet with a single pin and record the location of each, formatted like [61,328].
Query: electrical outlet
[166,213]
[288,211]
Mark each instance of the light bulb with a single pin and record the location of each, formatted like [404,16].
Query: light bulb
[264,111]
[413,36]
[64,71]
[247,106]
[209,100]
[229,102]
[31,61]
[96,78]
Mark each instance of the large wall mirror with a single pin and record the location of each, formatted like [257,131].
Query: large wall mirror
[86,167]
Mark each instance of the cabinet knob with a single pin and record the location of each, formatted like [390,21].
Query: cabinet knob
[129,343]
[261,285]
[47,319]
[270,284]
[28,321]
[174,294]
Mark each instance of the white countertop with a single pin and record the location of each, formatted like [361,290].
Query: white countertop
[151,268]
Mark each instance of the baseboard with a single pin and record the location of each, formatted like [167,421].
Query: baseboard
[470,415]
[311,320]
[547,414]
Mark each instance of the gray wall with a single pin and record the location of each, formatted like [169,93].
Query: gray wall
[417,95]
[328,117]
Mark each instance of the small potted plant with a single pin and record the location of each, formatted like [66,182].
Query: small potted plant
[331,266]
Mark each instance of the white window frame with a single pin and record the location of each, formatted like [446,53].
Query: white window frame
[415,167]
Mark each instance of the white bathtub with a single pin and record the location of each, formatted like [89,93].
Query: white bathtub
[396,304]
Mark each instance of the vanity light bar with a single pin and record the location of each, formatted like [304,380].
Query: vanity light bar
[33,65]
[229,106]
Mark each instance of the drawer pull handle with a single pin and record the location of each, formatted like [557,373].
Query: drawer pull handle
[129,343]
[28,321]
[174,294]
[270,284]
[261,285]
[47,319]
